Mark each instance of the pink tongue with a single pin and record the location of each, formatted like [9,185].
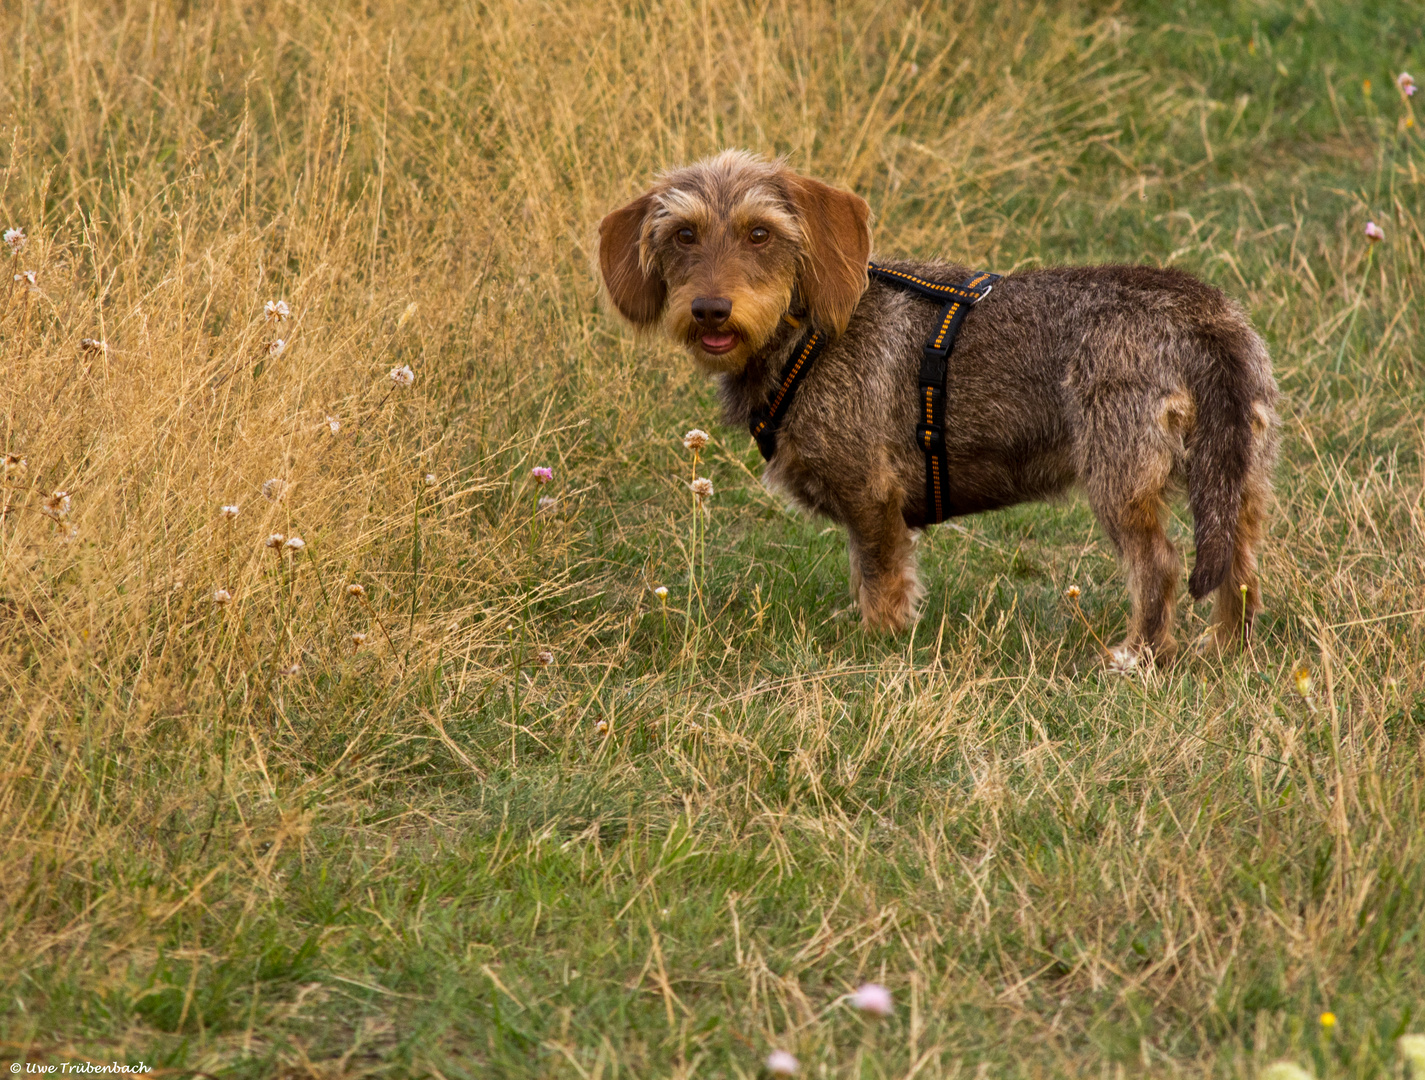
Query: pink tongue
[717,341]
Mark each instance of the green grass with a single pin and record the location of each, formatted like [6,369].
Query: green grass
[423,857]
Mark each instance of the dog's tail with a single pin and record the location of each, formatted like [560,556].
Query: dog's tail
[1235,395]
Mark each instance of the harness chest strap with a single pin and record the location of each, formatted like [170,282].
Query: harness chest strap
[934,364]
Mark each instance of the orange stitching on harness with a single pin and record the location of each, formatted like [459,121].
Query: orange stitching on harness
[936,286]
[792,375]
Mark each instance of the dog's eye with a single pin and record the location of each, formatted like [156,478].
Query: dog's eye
[759,235]
[686,236]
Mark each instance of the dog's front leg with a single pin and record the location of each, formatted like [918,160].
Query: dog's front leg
[883,578]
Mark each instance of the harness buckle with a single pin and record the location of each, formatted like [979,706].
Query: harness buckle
[988,289]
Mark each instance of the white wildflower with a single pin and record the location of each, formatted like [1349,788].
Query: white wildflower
[333,424]
[294,543]
[661,592]
[872,998]
[358,639]
[221,596]
[275,541]
[695,440]
[781,1063]
[403,375]
[544,658]
[430,479]
[15,240]
[276,348]
[702,487]
[276,310]
[93,345]
[229,511]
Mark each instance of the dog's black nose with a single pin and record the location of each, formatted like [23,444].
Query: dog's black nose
[712,311]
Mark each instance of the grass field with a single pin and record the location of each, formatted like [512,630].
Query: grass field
[240,841]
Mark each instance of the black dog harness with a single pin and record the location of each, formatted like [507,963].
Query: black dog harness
[934,363]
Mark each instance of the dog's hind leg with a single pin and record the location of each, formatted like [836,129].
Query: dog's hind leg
[1239,597]
[1126,473]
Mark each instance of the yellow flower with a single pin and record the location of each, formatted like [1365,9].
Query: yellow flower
[1412,1049]
[1302,678]
[1328,1021]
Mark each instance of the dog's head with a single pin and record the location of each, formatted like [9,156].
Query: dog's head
[716,252]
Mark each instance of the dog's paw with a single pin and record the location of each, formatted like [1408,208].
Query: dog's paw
[889,610]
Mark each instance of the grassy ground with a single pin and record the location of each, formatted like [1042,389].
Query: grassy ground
[237,841]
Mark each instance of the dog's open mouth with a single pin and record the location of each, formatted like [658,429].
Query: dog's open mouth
[718,343]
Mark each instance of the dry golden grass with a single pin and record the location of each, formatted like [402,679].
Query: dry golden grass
[238,842]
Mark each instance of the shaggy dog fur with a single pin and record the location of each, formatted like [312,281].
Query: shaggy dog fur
[1127,381]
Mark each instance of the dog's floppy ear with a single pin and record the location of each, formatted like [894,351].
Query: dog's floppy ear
[837,232]
[638,297]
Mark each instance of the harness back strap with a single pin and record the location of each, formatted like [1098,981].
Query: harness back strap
[934,364]
[764,422]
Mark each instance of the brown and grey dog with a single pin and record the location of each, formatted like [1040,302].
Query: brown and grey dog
[1128,381]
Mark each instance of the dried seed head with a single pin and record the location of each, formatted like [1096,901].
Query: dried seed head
[221,596]
[93,345]
[661,592]
[275,541]
[276,310]
[28,277]
[355,590]
[358,639]
[15,240]
[229,511]
[13,463]
[542,474]
[275,490]
[290,669]
[57,505]
[276,348]
[544,658]
[1072,592]
[334,424]
[695,439]
[294,543]
[702,487]
[403,375]
[602,727]
[430,479]
[406,315]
